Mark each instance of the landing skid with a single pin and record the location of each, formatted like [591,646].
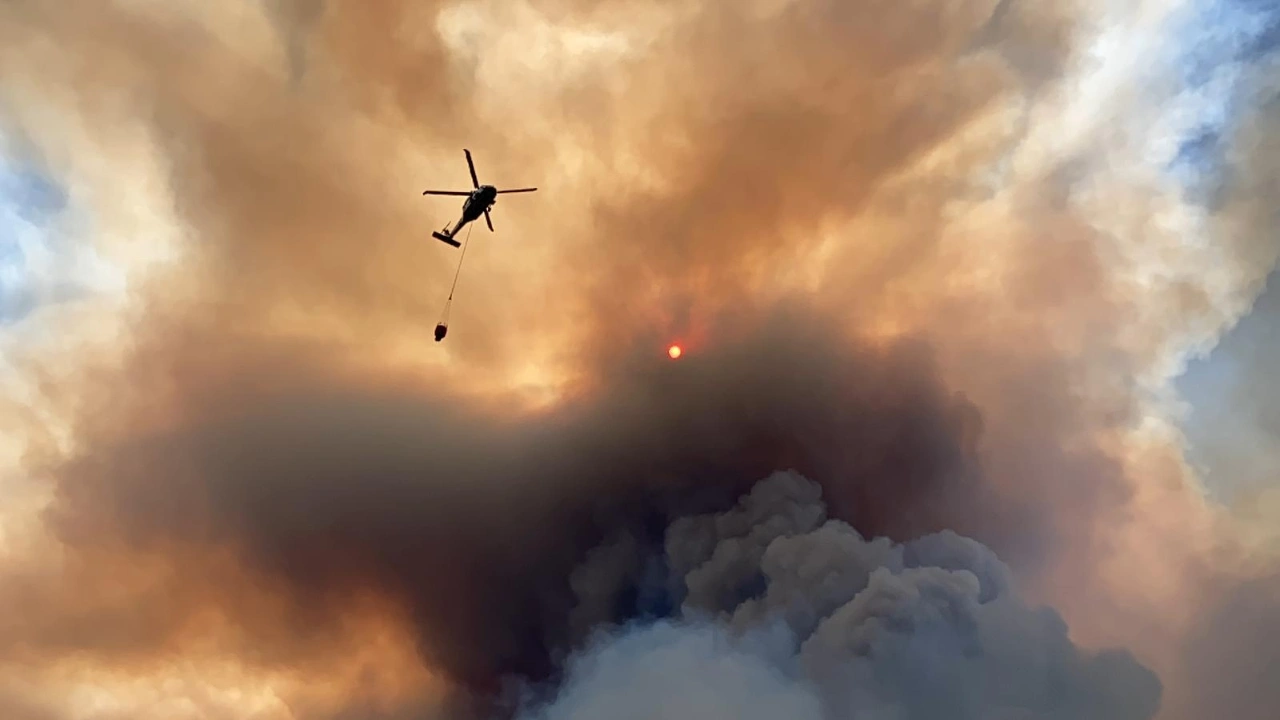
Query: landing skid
[445,239]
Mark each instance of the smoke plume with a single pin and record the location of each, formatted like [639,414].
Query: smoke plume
[332,491]
[928,258]
[828,624]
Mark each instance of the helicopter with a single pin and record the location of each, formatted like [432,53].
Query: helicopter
[478,202]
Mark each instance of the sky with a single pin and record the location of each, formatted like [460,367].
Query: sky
[977,307]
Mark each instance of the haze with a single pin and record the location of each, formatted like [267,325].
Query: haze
[970,416]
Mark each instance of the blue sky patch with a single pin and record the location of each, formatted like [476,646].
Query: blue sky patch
[31,204]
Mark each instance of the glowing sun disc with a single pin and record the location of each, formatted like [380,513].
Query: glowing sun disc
[674,352]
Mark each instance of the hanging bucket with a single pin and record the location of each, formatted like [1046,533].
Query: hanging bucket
[442,328]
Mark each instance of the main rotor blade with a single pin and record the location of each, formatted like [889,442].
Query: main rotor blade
[460,193]
[472,167]
[488,221]
[519,190]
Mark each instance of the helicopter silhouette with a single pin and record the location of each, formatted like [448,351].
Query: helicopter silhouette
[478,202]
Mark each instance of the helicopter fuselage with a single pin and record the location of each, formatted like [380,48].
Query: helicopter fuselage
[480,199]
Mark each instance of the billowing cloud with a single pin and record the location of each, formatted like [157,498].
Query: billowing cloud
[851,630]
[929,256]
[334,490]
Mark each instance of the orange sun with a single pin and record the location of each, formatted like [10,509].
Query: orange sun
[674,351]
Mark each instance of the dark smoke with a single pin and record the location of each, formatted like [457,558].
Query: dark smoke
[828,624]
[475,520]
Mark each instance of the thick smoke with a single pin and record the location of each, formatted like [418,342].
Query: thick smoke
[828,624]
[916,252]
[331,492]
